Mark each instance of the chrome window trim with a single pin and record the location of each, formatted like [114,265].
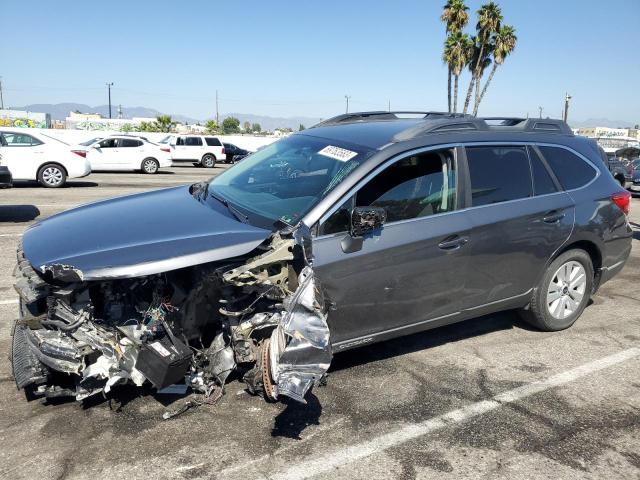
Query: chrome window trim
[409,153]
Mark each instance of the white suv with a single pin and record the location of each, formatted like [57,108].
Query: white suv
[198,149]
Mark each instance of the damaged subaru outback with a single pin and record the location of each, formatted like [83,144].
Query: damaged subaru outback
[366,227]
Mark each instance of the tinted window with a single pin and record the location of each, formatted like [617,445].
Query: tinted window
[180,141]
[571,170]
[110,143]
[542,181]
[193,141]
[340,220]
[213,142]
[413,187]
[130,142]
[20,140]
[498,174]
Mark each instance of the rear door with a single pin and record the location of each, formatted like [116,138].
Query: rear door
[519,218]
[410,271]
[131,154]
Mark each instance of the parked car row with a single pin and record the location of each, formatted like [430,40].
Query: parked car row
[50,161]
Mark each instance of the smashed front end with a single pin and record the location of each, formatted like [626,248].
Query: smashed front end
[261,317]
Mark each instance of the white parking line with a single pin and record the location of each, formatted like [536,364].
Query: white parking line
[337,458]
[13,301]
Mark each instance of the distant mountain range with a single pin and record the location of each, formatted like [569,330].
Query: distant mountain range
[60,111]
[601,122]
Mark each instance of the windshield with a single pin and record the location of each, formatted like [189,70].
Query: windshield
[284,180]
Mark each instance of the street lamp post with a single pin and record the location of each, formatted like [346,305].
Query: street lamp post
[109,85]
[347,97]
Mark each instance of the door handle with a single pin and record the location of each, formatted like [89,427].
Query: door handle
[453,242]
[553,217]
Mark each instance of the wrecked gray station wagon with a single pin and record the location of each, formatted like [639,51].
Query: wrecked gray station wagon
[366,227]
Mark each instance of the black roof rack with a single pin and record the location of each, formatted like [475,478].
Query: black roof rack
[468,123]
[386,115]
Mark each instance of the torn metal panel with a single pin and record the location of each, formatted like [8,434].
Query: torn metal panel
[300,349]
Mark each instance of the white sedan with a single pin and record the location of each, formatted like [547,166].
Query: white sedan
[125,153]
[37,156]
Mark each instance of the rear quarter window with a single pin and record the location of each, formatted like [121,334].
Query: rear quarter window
[213,142]
[571,170]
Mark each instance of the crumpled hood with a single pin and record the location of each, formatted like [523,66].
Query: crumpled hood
[139,234]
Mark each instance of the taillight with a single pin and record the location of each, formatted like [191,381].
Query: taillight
[623,201]
[222,150]
[164,149]
[82,153]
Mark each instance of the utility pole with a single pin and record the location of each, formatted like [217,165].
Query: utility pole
[1,99]
[388,105]
[567,97]
[347,97]
[217,115]
[109,85]
[120,111]
[540,112]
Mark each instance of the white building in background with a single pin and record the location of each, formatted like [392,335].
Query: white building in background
[24,119]
[612,140]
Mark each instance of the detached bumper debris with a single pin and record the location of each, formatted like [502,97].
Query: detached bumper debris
[263,317]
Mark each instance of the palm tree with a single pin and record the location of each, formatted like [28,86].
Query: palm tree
[504,42]
[489,19]
[455,15]
[164,123]
[458,50]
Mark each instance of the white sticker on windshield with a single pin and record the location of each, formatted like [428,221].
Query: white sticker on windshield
[337,153]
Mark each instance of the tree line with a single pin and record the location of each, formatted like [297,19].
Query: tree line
[492,43]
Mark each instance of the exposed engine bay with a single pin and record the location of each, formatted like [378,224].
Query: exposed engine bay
[262,316]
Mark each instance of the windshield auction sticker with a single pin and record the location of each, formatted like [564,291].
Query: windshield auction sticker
[337,153]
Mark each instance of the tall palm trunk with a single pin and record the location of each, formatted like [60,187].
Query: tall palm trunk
[484,89]
[477,95]
[449,90]
[455,94]
[475,73]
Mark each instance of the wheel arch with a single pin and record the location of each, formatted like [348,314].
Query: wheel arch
[209,153]
[594,252]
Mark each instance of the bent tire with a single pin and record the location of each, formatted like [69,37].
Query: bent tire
[563,292]
[150,165]
[208,161]
[52,175]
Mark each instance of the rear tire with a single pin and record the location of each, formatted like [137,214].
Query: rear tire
[563,292]
[52,175]
[208,161]
[150,166]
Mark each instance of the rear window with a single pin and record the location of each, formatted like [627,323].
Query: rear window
[571,170]
[213,142]
[498,174]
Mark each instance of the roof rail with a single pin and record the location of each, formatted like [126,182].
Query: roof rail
[386,115]
[467,123]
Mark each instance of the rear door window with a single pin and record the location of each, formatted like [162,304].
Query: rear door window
[543,183]
[193,142]
[499,174]
[571,170]
[131,142]
[213,142]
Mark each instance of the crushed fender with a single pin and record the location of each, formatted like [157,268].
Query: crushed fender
[261,318]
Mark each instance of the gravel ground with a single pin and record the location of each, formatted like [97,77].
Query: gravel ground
[381,413]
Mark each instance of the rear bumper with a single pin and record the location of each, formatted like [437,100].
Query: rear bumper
[634,187]
[79,171]
[610,271]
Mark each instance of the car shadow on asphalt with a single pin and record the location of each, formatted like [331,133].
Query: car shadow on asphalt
[428,339]
[296,417]
[69,184]
[18,213]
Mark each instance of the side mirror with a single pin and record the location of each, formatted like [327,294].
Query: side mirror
[366,219]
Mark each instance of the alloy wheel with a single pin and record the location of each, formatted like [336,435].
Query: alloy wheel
[150,166]
[566,290]
[52,176]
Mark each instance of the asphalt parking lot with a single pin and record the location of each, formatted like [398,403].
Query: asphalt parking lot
[488,398]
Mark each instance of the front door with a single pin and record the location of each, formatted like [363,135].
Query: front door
[410,271]
[104,154]
[519,218]
[22,154]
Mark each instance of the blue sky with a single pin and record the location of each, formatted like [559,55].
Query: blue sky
[285,58]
